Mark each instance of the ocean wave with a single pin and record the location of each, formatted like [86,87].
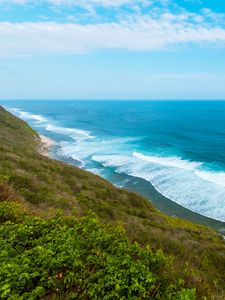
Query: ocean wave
[183,184]
[28,116]
[86,148]
[112,160]
[214,177]
[76,134]
[172,161]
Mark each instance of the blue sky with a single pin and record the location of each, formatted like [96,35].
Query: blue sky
[105,49]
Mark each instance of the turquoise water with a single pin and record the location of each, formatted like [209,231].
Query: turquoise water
[178,147]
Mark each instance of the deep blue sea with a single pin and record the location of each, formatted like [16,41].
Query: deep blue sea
[179,147]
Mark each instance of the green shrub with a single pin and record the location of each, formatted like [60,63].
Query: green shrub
[10,212]
[81,259]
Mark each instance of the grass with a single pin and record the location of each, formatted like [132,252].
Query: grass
[40,186]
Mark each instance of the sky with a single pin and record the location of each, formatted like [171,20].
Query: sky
[112,49]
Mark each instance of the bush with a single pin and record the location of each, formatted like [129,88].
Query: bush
[67,258]
[10,212]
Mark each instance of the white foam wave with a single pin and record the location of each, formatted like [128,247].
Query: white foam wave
[27,116]
[95,171]
[39,118]
[76,134]
[112,160]
[214,177]
[86,148]
[173,161]
[195,190]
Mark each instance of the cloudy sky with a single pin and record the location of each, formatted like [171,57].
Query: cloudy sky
[112,49]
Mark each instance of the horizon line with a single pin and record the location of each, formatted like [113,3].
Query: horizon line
[110,99]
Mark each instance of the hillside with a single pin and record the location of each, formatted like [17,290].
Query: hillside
[34,185]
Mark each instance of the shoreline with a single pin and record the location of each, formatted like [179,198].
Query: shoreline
[145,189]
[173,209]
[160,202]
[45,144]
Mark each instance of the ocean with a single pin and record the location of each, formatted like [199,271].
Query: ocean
[172,152]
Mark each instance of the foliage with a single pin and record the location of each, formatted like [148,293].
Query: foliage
[81,259]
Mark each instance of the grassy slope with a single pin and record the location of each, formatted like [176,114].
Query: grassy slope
[41,186]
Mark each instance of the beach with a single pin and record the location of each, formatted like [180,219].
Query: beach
[45,145]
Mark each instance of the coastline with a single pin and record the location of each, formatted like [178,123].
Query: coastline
[144,188]
[49,147]
[45,144]
[171,208]
[162,203]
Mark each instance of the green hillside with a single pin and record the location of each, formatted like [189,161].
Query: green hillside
[109,265]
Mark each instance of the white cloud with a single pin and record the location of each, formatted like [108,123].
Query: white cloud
[15,2]
[137,34]
[104,3]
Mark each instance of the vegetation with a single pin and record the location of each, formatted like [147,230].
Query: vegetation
[66,258]
[32,190]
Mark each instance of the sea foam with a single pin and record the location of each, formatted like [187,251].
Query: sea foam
[173,161]
[76,134]
[176,179]
[214,177]
[28,116]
